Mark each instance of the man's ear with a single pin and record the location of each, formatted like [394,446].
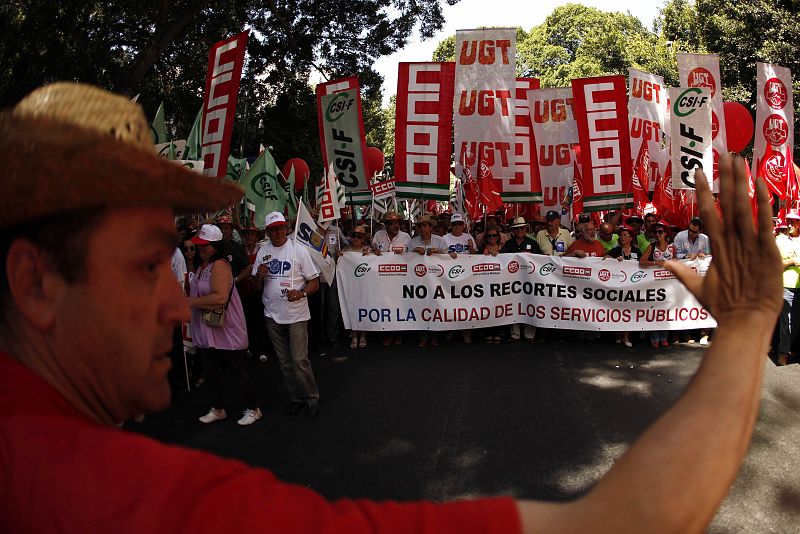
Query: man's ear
[34,285]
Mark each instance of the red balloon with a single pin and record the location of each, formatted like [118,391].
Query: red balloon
[375,160]
[301,172]
[738,126]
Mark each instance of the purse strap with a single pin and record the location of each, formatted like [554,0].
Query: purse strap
[233,283]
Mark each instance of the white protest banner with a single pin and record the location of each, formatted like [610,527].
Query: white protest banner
[526,185]
[702,70]
[555,132]
[414,292]
[423,129]
[774,127]
[691,135]
[647,113]
[484,102]
[309,234]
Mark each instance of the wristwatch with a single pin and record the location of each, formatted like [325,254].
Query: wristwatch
[303,291]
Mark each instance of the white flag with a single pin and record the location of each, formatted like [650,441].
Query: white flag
[310,235]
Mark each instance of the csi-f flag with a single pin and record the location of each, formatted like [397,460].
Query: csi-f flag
[291,199]
[262,188]
[159,128]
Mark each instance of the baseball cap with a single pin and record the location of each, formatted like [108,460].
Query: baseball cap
[274,218]
[456,217]
[208,234]
[552,214]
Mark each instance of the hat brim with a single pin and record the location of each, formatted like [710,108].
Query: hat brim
[276,224]
[51,168]
[197,240]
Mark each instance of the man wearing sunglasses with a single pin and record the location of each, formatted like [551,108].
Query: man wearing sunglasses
[692,243]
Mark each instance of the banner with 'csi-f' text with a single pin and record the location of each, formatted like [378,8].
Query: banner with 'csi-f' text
[423,129]
[601,110]
[484,102]
[225,62]
[414,292]
[341,136]
[691,144]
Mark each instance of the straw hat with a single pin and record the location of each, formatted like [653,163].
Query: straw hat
[69,147]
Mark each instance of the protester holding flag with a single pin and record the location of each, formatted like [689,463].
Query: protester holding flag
[289,276]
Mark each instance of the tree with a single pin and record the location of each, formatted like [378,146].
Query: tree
[160,49]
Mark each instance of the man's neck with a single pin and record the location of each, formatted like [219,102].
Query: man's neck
[554,232]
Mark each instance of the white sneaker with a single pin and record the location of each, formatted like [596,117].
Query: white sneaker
[213,415]
[249,417]
[263,358]
[704,341]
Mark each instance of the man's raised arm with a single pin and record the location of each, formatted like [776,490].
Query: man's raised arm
[674,477]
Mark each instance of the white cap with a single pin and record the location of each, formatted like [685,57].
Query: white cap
[274,218]
[208,233]
[456,217]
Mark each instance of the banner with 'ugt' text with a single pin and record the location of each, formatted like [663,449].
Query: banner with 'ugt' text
[395,292]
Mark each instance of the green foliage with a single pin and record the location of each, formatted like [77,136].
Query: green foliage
[160,51]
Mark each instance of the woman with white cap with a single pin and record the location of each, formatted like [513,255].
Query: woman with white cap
[222,343]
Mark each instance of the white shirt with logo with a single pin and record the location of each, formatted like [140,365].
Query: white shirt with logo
[290,267]
[460,244]
[399,244]
[436,242]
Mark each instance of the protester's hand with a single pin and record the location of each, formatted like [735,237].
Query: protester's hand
[293,295]
[619,258]
[691,257]
[420,250]
[262,271]
[743,282]
[700,255]
[453,255]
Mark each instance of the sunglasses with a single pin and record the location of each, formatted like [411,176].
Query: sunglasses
[489,236]
[659,231]
[358,236]
[188,249]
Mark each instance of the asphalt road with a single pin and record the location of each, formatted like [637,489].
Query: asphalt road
[537,421]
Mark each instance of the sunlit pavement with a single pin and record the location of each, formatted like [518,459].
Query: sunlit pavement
[538,421]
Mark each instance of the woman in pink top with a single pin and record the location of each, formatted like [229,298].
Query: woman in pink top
[221,347]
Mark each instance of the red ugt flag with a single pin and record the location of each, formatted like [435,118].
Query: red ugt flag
[490,195]
[664,195]
[641,175]
[774,169]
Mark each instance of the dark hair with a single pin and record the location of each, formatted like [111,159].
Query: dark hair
[220,251]
[64,238]
[696,221]
[196,259]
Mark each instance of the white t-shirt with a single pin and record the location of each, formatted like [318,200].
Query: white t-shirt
[436,242]
[290,267]
[460,244]
[399,244]
[179,266]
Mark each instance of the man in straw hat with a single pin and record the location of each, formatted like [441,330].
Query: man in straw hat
[89,303]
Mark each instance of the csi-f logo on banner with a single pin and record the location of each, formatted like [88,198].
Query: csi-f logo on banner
[338,106]
[262,185]
[691,134]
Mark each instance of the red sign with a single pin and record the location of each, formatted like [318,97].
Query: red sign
[423,128]
[225,62]
[382,188]
[601,111]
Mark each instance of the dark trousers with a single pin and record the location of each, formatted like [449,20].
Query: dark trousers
[218,361]
[788,324]
[256,331]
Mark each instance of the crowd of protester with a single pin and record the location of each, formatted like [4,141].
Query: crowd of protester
[240,268]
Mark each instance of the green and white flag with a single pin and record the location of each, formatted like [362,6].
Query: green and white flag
[158,129]
[237,167]
[193,150]
[262,188]
[291,199]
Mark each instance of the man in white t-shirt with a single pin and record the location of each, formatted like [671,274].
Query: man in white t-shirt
[290,276]
[426,242]
[459,242]
[391,238]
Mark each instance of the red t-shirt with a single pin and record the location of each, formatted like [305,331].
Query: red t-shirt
[61,472]
[591,248]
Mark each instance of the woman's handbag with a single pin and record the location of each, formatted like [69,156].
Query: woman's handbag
[217,317]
